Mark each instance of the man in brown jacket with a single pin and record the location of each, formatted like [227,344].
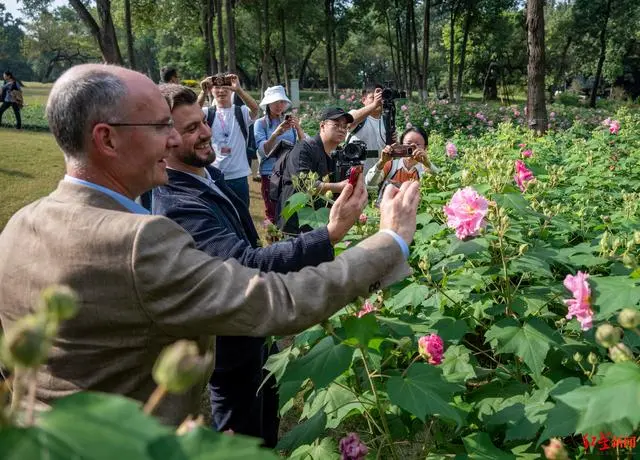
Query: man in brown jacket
[141,283]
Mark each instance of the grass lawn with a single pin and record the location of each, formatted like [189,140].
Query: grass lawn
[31,164]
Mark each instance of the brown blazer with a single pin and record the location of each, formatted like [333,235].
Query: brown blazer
[142,285]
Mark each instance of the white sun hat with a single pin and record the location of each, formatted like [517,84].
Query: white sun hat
[274,94]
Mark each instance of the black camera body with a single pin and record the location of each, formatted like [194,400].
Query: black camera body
[389,95]
[352,154]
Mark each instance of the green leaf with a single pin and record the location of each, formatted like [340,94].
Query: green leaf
[326,449]
[277,363]
[363,329]
[467,247]
[451,329]
[322,364]
[313,218]
[336,401]
[480,447]
[412,295]
[513,201]
[530,341]
[613,293]
[202,444]
[456,366]
[295,203]
[305,433]
[613,405]
[36,444]
[424,391]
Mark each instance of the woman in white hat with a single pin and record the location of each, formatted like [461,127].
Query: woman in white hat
[270,129]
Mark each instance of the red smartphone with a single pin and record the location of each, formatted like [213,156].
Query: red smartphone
[354,173]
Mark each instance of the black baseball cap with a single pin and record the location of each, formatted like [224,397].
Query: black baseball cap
[334,113]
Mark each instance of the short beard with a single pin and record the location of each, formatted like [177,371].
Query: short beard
[192,159]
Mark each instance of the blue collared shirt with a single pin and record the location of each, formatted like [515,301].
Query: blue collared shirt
[123,200]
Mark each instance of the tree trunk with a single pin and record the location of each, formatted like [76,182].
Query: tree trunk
[334,50]
[127,26]
[426,27]
[416,58]
[452,23]
[285,67]
[105,33]
[490,87]
[231,35]
[266,52]
[221,61]
[408,42]
[211,44]
[560,73]
[463,52]
[603,51]
[395,63]
[329,48]
[536,109]
[305,61]
[276,68]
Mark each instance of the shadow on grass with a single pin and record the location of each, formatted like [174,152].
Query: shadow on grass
[16,173]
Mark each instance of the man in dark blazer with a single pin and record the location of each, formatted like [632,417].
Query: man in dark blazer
[140,280]
[198,199]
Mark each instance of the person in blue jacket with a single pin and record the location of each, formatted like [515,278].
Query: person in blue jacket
[269,130]
[10,86]
[198,199]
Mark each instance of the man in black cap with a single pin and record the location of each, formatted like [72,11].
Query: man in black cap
[313,155]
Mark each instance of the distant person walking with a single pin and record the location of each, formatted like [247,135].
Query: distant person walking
[11,97]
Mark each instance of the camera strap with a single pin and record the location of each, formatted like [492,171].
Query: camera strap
[211,117]
[355,130]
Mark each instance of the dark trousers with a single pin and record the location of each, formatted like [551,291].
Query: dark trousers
[269,205]
[16,112]
[240,187]
[236,403]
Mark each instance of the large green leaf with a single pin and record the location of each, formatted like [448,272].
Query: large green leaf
[313,218]
[203,444]
[513,201]
[480,447]
[613,293]
[423,391]
[295,203]
[456,366]
[305,433]
[322,364]
[336,401]
[413,295]
[326,449]
[613,405]
[530,341]
[362,329]
[277,363]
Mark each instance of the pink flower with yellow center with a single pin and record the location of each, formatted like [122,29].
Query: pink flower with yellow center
[431,348]
[523,175]
[580,305]
[367,307]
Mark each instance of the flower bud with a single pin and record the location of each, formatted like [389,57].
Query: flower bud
[362,219]
[328,195]
[180,366]
[607,335]
[466,176]
[523,248]
[577,357]
[592,359]
[628,260]
[620,353]
[555,450]
[60,302]
[629,318]
[636,237]
[27,343]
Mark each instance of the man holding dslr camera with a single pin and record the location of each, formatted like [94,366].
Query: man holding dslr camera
[230,126]
[313,155]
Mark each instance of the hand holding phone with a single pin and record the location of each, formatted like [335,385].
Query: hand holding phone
[354,173]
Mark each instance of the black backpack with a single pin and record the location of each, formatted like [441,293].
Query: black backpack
[249,137]
[281,152]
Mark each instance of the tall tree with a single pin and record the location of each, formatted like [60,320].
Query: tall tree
[329,20]
[426,29]
[220,34]
[470,7]
[129,31]
[283,32]
[231,35]
[266,49]
[208,17]
[536,109]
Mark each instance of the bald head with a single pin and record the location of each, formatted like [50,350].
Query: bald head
[85,95]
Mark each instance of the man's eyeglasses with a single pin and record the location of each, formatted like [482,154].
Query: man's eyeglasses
[342,126]
[166,125]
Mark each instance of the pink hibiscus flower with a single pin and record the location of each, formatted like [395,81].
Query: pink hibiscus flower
[431,348]
[580,305]
[466,212]
[523,175]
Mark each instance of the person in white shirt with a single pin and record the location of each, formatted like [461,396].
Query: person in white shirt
[228,141]
[368,125]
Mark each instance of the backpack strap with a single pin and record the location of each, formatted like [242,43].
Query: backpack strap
[240,119]
[355,130]
[395,166]
[211,115]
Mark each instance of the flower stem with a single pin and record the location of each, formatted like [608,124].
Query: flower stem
[31,377]
[155,398]
[383,417]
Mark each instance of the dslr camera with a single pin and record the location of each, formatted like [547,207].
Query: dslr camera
[389,95]
[349,156]
[221,80]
